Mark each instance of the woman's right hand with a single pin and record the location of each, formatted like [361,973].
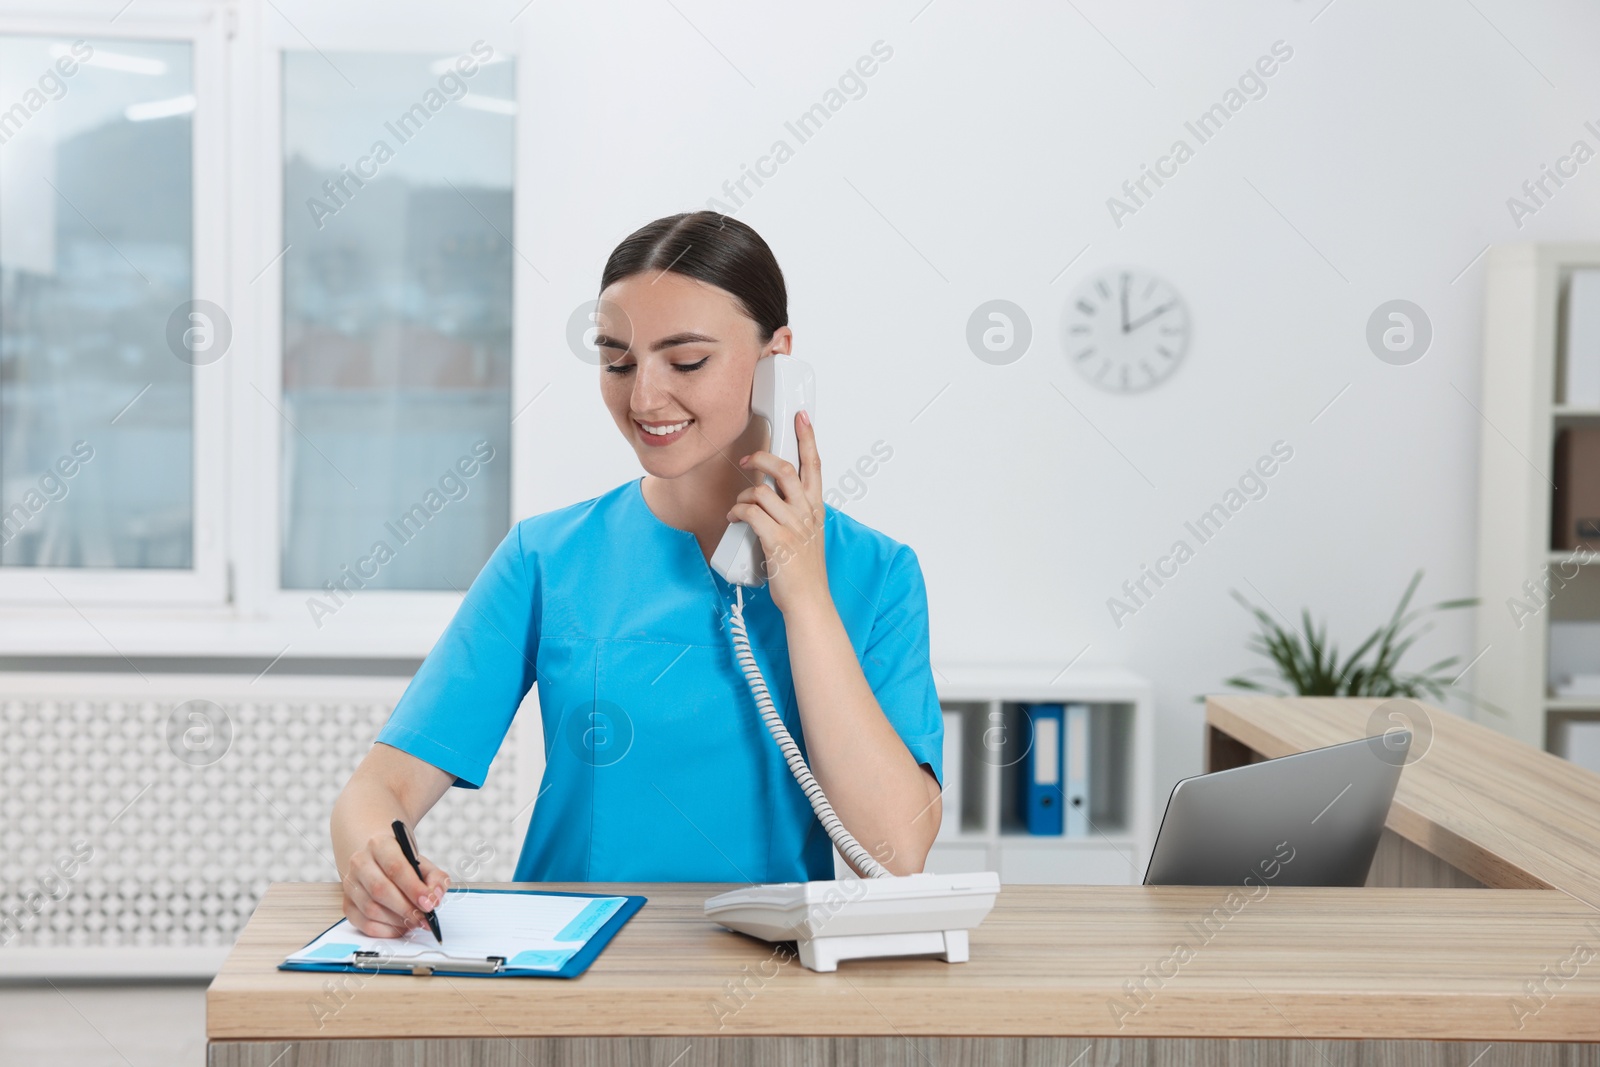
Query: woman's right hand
[383,897]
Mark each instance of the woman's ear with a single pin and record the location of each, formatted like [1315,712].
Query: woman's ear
[782,341]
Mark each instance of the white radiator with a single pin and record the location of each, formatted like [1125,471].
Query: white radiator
[142,817]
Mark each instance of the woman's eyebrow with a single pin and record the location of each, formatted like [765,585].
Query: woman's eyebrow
[601,340]
[679,339]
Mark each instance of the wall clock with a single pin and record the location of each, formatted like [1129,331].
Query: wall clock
[1126,330]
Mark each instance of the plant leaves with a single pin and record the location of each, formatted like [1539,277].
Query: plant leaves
[1308,662]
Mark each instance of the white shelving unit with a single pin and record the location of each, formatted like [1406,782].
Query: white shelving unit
[987,834]
[1525,300]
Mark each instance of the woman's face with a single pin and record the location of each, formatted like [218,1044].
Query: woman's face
[678,357]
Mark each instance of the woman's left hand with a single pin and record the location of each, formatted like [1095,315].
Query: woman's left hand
[791,526]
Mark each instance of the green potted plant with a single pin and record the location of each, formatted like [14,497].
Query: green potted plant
[1306,663]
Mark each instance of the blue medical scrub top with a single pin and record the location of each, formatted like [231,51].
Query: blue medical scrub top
[657,764]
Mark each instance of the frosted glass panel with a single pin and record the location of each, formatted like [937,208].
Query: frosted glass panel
[96,256]
[396,317]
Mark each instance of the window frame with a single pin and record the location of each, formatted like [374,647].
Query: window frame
[205,583]
[381,617]
[235,605]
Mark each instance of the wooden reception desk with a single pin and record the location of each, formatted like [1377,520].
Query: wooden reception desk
[1508,971]
[1473,808]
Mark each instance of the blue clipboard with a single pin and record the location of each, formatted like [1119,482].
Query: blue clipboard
[490,967]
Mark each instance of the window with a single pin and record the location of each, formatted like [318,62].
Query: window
[397,309]
[96,256]
[256,314]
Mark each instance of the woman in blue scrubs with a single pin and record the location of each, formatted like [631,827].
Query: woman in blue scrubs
[658,766]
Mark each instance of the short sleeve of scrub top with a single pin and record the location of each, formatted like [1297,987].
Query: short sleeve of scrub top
[657,764]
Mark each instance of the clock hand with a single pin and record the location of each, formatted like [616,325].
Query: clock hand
[1124,303]
[1142,319]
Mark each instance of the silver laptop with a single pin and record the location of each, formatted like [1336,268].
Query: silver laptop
[1313,818]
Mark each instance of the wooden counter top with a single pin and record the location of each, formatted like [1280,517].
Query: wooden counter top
[1501,811]
[1050,960]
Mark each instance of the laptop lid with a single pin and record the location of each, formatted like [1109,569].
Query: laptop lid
[1311,818]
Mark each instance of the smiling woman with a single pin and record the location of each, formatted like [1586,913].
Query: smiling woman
[658,765]
[717,276]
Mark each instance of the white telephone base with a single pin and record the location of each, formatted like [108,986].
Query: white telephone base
[860,918]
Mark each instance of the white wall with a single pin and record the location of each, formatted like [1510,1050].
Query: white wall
[991,141]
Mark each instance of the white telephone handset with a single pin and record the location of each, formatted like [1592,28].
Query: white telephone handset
[783,386]
[881,915]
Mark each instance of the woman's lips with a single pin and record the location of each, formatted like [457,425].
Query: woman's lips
[658,440]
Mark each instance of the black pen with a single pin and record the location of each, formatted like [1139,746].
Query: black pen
[411,858]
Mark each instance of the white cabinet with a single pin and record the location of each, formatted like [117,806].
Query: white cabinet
[1539,605]
[1091,862]
[986,830]
[947,858]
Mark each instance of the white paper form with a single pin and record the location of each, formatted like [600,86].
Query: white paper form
[537,931]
